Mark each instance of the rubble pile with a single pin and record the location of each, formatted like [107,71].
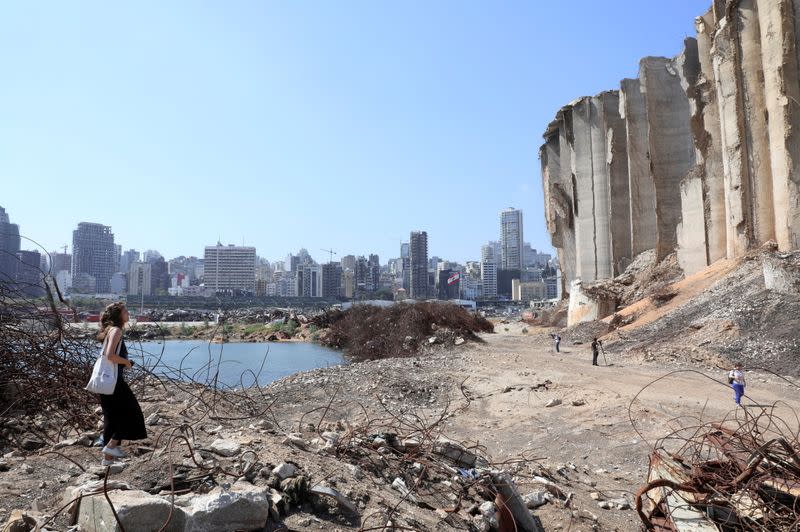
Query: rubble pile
[738,474]
[368,332]
[246,460]
[737,318]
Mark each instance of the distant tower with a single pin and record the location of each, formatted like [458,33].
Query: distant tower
[511,239]
[94,254]
[9,247]
[418,265]
[488,271]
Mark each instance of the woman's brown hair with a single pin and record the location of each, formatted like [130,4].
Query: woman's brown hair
[111,317]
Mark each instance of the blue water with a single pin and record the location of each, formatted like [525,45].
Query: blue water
[237,364]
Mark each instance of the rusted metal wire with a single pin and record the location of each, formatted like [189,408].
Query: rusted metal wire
[741,472]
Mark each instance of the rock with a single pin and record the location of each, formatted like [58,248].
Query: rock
[343,501]
[553,402]
[241,507]
[28,469]
[619,504]
[152,420]
[595,496]
[410,443]
[113,469]
[605,505]
[489,512]
[137,510]
[400,485]
[4,466]
[224,447]
[285,470]
[507,389]
[19,521]
[536,499]
[295,441]
[458,340]
[65,443]
[31,444]
[432,340]
[356,471]
[331,437]
[578,402]
[458,453]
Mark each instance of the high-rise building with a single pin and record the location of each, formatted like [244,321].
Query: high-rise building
[159,273]
[309,281]
[30,279]
[93,254]
[140,279]
[128,258]
[151,255]
[349,262]
[331,280]
[230,269]
[9,247]
[60,262]
[488,271]
[418,265]
[511,239]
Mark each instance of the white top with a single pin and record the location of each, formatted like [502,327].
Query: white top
[737,376]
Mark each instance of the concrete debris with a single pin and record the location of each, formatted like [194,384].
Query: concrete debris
[224,447]
[19,521]
[537,498]
[343,501]
[285,470]
[458,453]
[555,401]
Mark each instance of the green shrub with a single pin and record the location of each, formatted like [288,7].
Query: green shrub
[250,329]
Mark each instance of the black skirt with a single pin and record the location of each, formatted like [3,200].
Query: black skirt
[122,416]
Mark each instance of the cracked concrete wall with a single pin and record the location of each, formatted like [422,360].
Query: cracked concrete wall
[670,144]
[641,189]
[700,155]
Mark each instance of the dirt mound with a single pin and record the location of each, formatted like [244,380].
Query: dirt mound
[367,332]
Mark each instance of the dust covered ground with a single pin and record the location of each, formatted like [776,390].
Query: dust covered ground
[337,426]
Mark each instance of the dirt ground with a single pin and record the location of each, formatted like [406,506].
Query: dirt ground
[491,395]
[598,438]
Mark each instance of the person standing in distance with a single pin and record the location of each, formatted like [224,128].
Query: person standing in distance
[557,340]
[596,344]
[736,379]
[122,415]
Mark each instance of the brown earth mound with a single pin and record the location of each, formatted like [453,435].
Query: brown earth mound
[368,332]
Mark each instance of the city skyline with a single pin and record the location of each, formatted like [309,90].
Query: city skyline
[286,124]
[32,243]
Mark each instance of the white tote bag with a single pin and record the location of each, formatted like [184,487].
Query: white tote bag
[104,373]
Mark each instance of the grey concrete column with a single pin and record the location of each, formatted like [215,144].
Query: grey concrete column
[670,144]
[619,191]
[779,56]
[642,192]
[708,143]
[583,170]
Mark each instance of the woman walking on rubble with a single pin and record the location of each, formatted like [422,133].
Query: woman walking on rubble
[122,416]
[736,378]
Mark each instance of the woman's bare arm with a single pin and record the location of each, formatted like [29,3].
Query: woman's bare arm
[114,338]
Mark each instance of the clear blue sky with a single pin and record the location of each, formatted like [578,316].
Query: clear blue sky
[343,124]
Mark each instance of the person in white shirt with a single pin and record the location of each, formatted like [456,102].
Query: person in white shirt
[736,378]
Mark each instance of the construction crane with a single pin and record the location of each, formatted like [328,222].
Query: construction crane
[332,252]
